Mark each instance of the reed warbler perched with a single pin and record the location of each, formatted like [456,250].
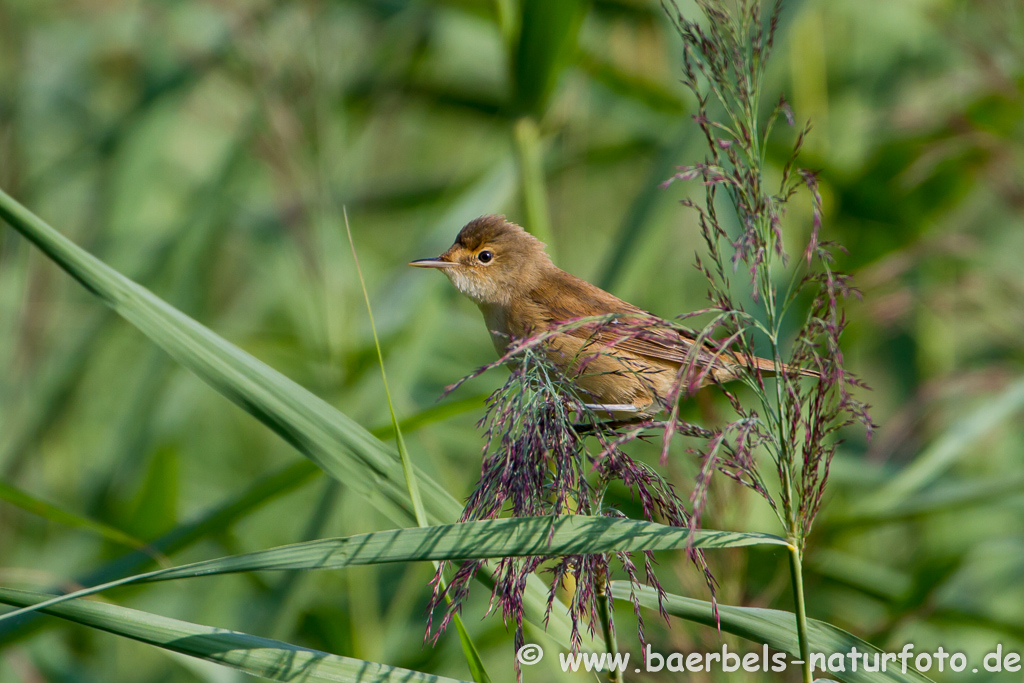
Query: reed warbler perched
[629,372]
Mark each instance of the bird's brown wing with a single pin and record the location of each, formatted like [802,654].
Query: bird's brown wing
[566,297]
[663,343]
[637,331]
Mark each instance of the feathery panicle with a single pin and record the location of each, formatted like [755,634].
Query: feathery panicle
[537,463]
[724,66]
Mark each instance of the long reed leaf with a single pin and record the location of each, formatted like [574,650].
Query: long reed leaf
[264,657]
[495,538]
[336,443]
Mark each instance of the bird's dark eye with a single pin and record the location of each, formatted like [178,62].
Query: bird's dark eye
[484,256]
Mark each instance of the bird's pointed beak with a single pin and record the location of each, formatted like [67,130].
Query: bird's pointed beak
[431,263]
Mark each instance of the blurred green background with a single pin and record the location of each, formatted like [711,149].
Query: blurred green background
[206,149]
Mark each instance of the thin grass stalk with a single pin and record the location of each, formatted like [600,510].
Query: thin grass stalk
[469,649]
[419,512]
[262,657]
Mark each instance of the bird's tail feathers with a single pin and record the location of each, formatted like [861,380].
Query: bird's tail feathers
[765,365]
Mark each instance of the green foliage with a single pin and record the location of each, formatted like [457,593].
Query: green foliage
[205,151]
[330,439]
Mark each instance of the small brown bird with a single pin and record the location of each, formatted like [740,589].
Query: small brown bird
[520,292]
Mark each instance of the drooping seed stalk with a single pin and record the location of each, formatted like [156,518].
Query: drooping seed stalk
[724,59]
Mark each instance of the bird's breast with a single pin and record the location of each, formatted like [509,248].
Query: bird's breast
[497,327]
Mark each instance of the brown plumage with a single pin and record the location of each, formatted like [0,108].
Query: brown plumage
[506,271]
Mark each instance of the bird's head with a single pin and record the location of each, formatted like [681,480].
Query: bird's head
[492,261]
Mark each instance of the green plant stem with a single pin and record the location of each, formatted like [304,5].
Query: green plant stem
[605,612]
[797,577]
[506,16]
[530,156]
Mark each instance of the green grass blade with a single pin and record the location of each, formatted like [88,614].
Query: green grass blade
[412,486]
[777,630]
[948,449]
[264,657]
[494,538]
[469,650]
[58,515]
